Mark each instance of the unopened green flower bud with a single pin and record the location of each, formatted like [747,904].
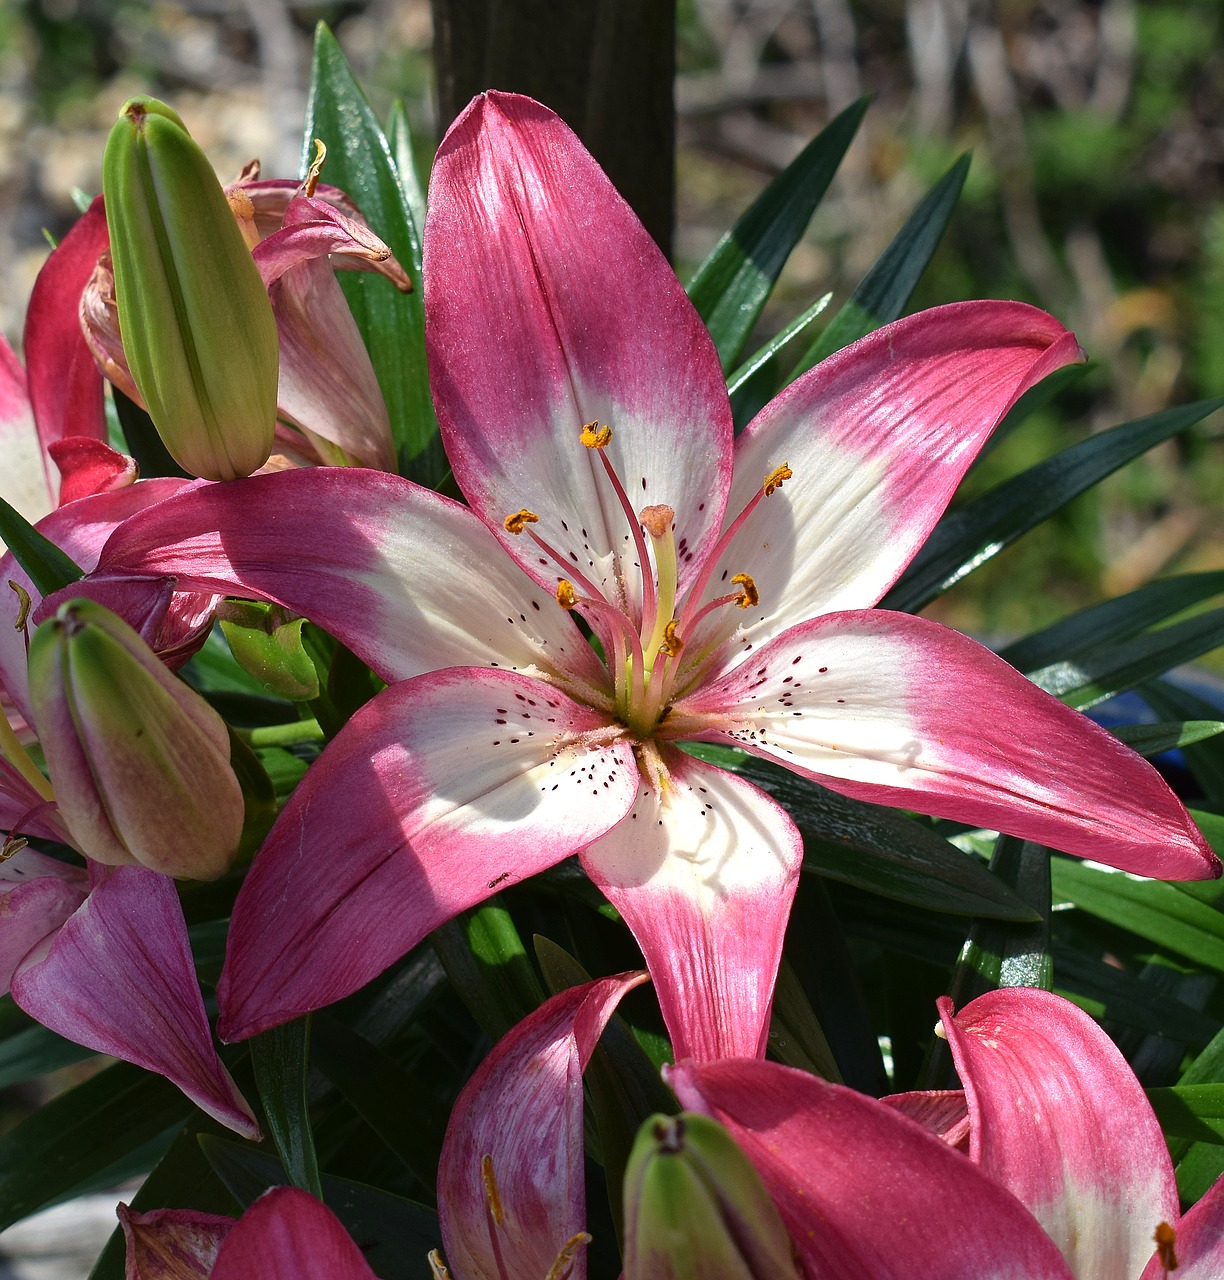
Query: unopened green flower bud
[695,1208]
[197,326]
[139,762]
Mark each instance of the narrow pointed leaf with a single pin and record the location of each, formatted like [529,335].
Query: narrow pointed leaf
[974,533]
[1111,621]
[281,1060]
[1155,739]
[62,1149]
[392,324]
[1162,913]
[1191,1111]
[1206,761]
[883,292]
[1102,672]
[399,139]
[49,567]
[396,1234]
[731,286]
[28,1049]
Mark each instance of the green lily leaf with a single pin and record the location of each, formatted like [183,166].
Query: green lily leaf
[1191,1111]
[392,324]
[48,567]
[28,1049]
[281,1059]
[395,1234]
[1205,758]
[113,1126]
[1155,739]
[399,138]
[970,535]
[1100,672]
[732,285]
[1111,621]
[886,288]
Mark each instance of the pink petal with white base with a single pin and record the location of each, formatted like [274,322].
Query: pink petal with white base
[37,894]
[520,1117]
[24,483]
[549,307]
[703,873]
[289,1235]
[172,1244]
[410,581]
[878,437]
[438,792]
[65,385]
[898,710]
[1057,1116]
[866,1193]
[119,978]
[79,529]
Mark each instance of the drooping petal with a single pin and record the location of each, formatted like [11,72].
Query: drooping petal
[172,1244]
[313,229]
[410,581]
[549,307]
[89,466]
[437,792]
[703,873]
[1057,1116]
[899,710]
[520,1117]
[878,437]
[866,1193]
[289,1235]
[24,484]
[1197,1241]
[25,811]
[37,894]
[79,529]
[65,385]
[119,978]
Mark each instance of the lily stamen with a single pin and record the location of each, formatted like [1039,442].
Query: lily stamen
[565,1258]
[492,1194]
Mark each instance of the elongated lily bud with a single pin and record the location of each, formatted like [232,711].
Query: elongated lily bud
[695,1208]
[139,762]
[196,322]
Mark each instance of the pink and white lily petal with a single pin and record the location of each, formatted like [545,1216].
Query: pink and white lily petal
[1197,1240]
[25,483]
[89,466]
[878,437]
[704,871]
[65,385]
[1058,1117]
[530,256]
[172,1244]
[289,1235]
[37,895]
[510,1178]
[866,1193]
[79,529]
[409,580]
[899,710]
[118,977]
[438,792]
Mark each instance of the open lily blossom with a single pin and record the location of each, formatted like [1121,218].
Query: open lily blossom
[729,584]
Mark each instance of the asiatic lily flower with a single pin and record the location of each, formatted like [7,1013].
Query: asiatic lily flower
[729,584]
[100,954]
[285,1235]
[298,233]
[1057,1123]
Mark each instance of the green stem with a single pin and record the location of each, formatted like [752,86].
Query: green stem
[19,758]
[284,735]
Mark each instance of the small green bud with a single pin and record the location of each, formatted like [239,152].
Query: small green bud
[695,1208]
[195,319]
[139,762]
[266,643]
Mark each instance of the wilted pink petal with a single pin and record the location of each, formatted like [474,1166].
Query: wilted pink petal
[89,466]
[172,1244]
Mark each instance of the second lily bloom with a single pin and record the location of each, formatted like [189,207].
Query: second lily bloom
[729,584]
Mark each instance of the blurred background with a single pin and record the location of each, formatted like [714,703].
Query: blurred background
[1097,134]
